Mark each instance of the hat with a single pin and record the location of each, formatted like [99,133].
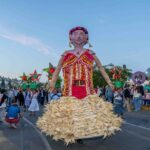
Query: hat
[78,28]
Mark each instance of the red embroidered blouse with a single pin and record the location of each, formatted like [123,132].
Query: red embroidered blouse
[78,73]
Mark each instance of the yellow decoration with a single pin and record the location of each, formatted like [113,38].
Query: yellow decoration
[69,119]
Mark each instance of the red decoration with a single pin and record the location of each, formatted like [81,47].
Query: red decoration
[23,77]
[76,91]
[51,70]
[116,73]
[35,76]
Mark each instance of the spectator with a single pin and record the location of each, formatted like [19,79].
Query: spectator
[13,114]
[11,95]
[137,99]
[118,102]
[20,98]
[109,94]
[27,99]
[15,91]
[126,94]
[54,95]
[34,106]
[3,99]
[42,96]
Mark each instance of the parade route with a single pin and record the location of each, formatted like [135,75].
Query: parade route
[74,75]
[134,135]
[26,137]
[130,138]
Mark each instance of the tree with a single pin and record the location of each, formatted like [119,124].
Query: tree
[98,79]
[3,83]
[9,84]
[115,73]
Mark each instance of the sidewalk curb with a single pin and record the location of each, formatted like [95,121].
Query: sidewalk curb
[41,135]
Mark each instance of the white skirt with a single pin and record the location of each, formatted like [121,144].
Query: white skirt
[34,106]
[27,102]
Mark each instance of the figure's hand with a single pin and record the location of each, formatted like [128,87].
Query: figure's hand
[51,86]
[112,87]
[51,89]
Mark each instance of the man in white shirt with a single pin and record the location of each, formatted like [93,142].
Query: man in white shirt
[11,95]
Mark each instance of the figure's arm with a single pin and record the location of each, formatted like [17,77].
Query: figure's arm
[103,72]
[56,73]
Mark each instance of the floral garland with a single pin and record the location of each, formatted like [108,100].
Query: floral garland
[66,81]
[77,69]
[50,70]
[119,75]
[86,60]
[69,59]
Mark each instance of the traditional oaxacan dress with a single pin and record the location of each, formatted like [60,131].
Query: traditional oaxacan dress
[78,72]
[80,112]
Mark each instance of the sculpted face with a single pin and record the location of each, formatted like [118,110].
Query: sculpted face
[78,38]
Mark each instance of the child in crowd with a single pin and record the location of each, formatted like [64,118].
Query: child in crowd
[54,95]
[137,99]
[27,99]
[118,102]
[13,114]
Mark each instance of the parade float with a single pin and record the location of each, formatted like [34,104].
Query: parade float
[79,113]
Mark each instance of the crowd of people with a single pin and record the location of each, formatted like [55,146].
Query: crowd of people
[13,101]
[129,98]
[124,99]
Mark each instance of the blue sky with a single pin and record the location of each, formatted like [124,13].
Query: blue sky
[35,32]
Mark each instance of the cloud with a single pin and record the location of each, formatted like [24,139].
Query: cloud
[25,40]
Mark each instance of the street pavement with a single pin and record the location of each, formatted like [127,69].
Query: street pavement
[25,137]
[135,135]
